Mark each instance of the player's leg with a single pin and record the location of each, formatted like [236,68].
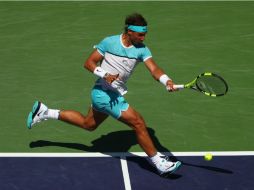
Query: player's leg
[115,105]
[41,112]
[89,122]
[133,119]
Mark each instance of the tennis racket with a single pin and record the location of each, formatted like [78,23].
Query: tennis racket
[209,84]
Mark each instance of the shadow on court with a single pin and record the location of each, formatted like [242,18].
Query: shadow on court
[118,141]
[122,141]
[211,168]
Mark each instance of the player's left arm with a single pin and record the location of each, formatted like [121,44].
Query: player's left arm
[158,74]
[91,65]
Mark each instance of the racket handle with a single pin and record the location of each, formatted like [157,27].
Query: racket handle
[179,86]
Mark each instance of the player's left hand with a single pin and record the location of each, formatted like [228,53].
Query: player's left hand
[110,78]
[170,86]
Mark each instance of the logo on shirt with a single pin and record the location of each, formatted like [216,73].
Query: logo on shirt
[125,62]
[128,64]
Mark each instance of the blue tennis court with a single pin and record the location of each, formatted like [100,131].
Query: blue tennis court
[97,171]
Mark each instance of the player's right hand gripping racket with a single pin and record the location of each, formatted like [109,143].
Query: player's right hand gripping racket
[209,84]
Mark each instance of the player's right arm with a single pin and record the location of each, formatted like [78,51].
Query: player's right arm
[91,65]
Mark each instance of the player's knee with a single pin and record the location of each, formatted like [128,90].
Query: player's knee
[91,128]
[89,125]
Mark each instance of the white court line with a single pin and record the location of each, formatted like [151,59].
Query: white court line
[126,154]
[126,176]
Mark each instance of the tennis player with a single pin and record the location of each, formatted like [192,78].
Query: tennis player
[118,56]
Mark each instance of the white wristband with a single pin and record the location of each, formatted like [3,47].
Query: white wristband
[164,79]
[98,71]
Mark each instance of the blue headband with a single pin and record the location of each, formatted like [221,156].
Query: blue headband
[137,28]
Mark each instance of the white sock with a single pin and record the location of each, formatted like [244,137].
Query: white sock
[155,159]
[51,114]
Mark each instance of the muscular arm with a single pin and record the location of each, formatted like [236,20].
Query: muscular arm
[156,71]
[92,60]
[91,64]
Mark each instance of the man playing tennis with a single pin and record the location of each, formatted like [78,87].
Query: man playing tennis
[118,56]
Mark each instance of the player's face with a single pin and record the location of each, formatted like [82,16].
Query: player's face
[136,37]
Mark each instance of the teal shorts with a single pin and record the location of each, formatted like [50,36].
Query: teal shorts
[108,102]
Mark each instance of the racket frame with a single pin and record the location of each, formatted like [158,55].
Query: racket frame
[193,85]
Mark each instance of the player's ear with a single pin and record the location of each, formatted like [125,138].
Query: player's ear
[129,32]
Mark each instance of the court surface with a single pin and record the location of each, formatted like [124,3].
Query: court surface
[43,46]
[124,171]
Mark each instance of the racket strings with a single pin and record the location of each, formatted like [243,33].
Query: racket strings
[212,85]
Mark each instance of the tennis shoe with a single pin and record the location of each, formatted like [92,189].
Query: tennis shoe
[166,167]
[37,114]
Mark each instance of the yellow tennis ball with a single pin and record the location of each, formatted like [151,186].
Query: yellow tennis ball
[208,157]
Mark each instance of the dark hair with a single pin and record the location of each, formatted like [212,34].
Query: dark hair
[134,19]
